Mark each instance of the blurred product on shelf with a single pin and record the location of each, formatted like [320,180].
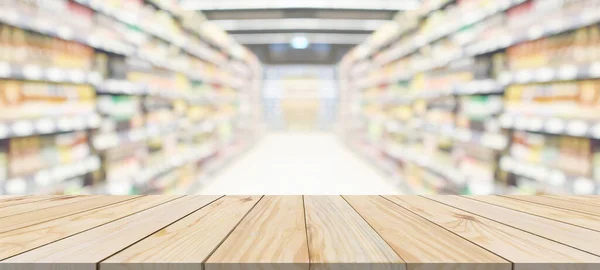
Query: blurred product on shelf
[482,97]
[32,100]
[118,97]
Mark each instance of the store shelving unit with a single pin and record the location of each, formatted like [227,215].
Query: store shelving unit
[120,97]
[481,97]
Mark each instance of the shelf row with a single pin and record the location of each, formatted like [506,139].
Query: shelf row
[407,155]
[551,176]
[552,125]
[52,74]
[48,178]
[23,128]
[124,185]
[63,31]
[541,30]
[446,30]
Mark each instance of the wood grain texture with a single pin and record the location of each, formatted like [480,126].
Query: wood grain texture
[272,236]
[8,200]
[188,242]
[24,239]
[525,250]
[560,203]
[404,231]
[571,217]
[75,205]
[567,234]
[593,200]
[339,238]
[86,249]
[9,197]
[31,203]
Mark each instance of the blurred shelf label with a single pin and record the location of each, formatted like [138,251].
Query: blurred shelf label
[584,186]
[535,124]
[4,130]
[596,131]
[45,125]
[5,70]
[16,186]
[577,128]
[65,32]
[568,72]
[55,75]
[535,32]
[555,125]
[23,128]
[32,72]
[595,70]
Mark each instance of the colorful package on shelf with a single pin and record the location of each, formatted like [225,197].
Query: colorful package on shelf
[30,154]
[574,99]
[23,47]
[122,162]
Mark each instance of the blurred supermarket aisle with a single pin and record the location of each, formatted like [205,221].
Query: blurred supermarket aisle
[310,163]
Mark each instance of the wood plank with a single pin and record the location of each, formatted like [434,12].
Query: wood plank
[593,200]
[11,197]
[272,236]
[86,249]
[404,231]
[525,250]
[559,203]
[339,238]
[18,205]
[188,242]
[576,218]
[502,211]
[24,239]
[76,205]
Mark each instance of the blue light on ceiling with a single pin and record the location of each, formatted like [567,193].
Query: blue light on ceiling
[299,43]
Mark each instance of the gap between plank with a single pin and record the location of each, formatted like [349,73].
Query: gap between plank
[228,234]
[71,214]
[135,242]
[539,215]
[135,198]
[306,231]
[46,199]
[538,203]
[386,242]
[25,197]
[513,226]
[512,265]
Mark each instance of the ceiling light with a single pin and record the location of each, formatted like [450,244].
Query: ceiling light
[299,43]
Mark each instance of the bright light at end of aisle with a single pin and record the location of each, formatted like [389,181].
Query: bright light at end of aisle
[299,43]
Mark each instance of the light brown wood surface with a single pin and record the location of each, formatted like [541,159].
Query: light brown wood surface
[525,250]
[30,204]
[339,238]
[272,236]
[190,240]
[560,203]
[404,231]
[559,214]
[76,205]
[300,233]
[10,197]
[567,234]
[593,200]
[27,238]
[86,249]
[7,200]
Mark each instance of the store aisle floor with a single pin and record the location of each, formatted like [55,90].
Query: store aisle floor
[300,163]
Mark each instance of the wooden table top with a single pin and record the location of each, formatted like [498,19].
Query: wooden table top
[299,232]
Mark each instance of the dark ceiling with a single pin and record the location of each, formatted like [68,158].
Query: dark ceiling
[330,33]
